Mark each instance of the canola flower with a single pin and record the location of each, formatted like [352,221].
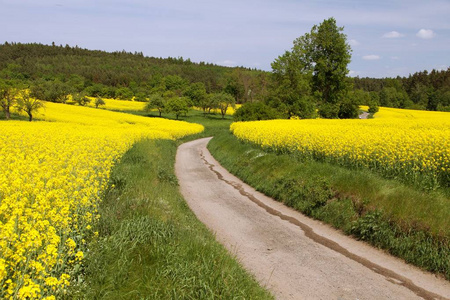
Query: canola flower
[52,175]
[113,104]
[412,145]
[119,105]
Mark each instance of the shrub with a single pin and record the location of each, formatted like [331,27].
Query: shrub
[255,111]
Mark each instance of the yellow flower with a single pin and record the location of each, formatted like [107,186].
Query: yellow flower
[53,173]
[388,143]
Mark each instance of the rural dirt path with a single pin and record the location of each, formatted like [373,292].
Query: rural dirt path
[293,256]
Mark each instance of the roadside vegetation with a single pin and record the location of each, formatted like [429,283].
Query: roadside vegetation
[405,221]
[408,221]
[150,245]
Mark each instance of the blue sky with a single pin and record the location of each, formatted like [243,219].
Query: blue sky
[388,38]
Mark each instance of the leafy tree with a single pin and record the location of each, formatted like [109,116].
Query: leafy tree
[8,97]
[391,97]
[177,105]
[373,108]
[81,99]
[124,93]
[325,53]
[77,82]
[255,111]
[96,90]
[175,83]
[290,90]
[197,93]
[99,101]
[156,101]
[222,101]
[28,104]
[141,97]
[53,91]
[348,109]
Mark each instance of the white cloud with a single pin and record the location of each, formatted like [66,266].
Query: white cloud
[426,34]
[394,57]
[371,57]
[353,42]
[393,35]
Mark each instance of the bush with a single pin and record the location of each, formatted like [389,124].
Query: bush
[255,111]
[348,109]
[373,108]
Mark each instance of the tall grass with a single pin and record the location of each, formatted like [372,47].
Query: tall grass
[150,245]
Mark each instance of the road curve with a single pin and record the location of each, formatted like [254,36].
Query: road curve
[293,256]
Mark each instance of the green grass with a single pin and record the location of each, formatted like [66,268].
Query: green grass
[150,245]
[407,222]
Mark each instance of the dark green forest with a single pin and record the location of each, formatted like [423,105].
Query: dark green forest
[421,90]
[53,71]
[121,74]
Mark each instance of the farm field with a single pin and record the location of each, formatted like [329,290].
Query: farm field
[410,145]
[95,141]
[119,105]
[54,173]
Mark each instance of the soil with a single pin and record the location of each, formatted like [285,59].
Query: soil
[290,254]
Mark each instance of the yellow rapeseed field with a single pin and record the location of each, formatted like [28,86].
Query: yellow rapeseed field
[414,145]
[52,175]
[113,104]
[119,105]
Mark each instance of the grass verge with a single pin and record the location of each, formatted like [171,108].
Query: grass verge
[406,222]
[150,245]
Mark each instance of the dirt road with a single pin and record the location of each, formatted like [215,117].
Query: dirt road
[293,256]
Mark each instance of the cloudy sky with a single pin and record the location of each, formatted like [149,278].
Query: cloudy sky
[388,38]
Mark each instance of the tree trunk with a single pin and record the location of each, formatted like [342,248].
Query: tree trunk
[7,114]
[31,116]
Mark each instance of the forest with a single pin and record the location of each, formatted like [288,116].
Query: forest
[52,72]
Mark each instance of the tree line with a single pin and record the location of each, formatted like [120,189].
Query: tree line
[121,74]
[309,80]
[422,90]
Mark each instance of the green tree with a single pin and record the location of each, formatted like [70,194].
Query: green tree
[290,90]
[124,93]
[81,99]
[222,101]
[156,101]
[233,86]
[99,101]
[393,97]
[140,97]
[325,53]
[197,93]
[8,97]
[178,106]
[53,91]
[28,104]
[175,83]
[255,111]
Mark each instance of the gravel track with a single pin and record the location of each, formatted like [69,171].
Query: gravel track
[293,256]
